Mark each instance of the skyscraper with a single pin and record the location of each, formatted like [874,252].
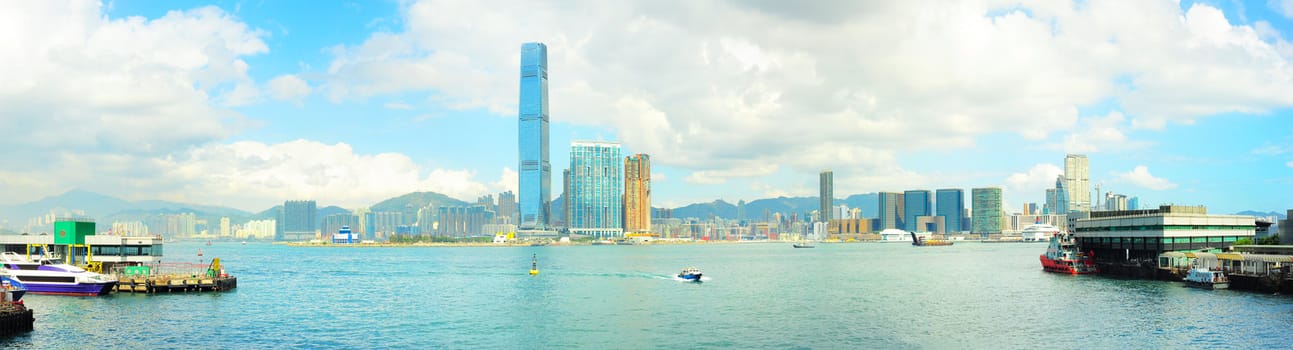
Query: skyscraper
[596,202]
[950,204]
[891,211]
[297,220]
[565,197]
[1057,199]
[985,210]
[535,176]
[507,207]
[637,193]
[916,204]
[827,195]
[1078,183]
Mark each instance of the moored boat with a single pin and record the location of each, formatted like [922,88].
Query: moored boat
[1062,256]
[927,242]
[48,276]
[14,289]
[690,274]
[1206,279]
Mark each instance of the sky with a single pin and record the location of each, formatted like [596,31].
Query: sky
[249,103]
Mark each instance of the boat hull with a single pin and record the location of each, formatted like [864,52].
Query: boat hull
[803,246]
[76,289]
[1208,285]
[1066,266]
[690,277]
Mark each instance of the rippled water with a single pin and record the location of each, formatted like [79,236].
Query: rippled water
[756,296]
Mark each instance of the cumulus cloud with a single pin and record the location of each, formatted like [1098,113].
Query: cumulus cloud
[289,88]
[76,80]
[1031,185]
[772,85]
[253,175]
[1289,164]
[1140,176]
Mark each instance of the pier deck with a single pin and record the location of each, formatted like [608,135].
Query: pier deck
[15,319]
[172,284]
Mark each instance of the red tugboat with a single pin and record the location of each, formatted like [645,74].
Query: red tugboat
[1063,257]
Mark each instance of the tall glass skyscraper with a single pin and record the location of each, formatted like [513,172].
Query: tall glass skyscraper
[1078,182]
[296,221]
[535,185]
[597,189]
[950,204]
[916,203]
[891,208]
[827,196]
[985,210]
[1057,199]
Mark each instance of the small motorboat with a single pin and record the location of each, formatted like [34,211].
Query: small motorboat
[14,289]
[690,274]
[1207,279]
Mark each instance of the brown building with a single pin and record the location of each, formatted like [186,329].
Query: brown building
[637,193]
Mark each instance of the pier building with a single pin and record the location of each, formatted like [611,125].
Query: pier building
[1128,242]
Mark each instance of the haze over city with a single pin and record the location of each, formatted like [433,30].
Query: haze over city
[246,104]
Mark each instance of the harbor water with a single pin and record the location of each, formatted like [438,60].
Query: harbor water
[756,295]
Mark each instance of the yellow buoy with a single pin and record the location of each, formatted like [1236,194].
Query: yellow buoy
[534,265]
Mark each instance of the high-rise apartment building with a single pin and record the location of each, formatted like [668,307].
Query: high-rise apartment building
[637,193]
[534,179]
[297,221]
[916,203]
[506,208]
[826,184]
[565,194]
[891,211]
[985,210]
[950,204]
[1057,199]
[596,186]
[1078,182]
[225,227]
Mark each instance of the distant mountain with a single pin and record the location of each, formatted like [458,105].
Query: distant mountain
[755,210]
[410,203]
[107,209]
[1277,214]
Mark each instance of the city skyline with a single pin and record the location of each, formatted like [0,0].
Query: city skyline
[392,98]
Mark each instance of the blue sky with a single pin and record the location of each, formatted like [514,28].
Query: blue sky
[249,103]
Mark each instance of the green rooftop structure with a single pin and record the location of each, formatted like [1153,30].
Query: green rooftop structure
[69,231]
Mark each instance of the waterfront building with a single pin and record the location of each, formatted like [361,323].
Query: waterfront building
[224,227]
[1141,235]
[333,223]
[258,229]
[1057,199]
[535,192]
[363,229]
[637,193]
[1077,181]
[826,194]
[1029,209]
[1114,201]
[464,221]
[985,210]
[297,220]
[916,204]
[506,207]
[841,212]
[596,186]
[1286,228]
[426,219]
[850,226]
[565,198]
[129,228]
[384,224]
[931,223]
[1133,203]
[950,204]
[891,210]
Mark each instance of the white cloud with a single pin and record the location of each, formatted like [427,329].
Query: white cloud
[398,105]
[78,81]
[718,99]
[289,88]
[253,175]
[1289,164]
[1027,187]
[1283,7]
[1140,176]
